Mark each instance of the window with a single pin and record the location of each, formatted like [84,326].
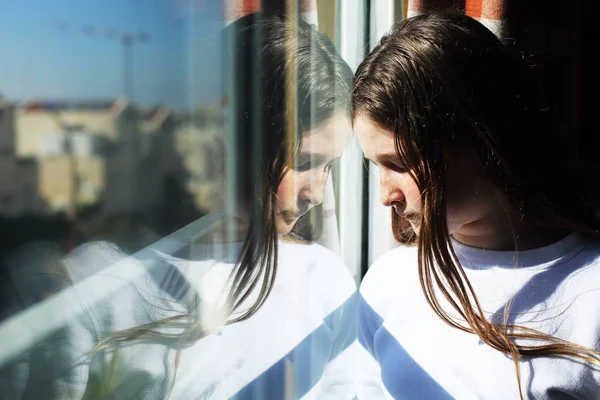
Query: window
[166,212]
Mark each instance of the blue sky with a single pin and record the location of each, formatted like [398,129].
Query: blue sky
[180,67]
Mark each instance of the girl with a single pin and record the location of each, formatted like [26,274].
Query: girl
[500,297]
[251,310]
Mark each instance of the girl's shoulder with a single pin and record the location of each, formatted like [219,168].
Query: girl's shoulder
[392,280]
[582,270]
[391,269]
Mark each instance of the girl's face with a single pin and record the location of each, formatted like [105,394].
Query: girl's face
[471,204]
[398,189]
[303,184]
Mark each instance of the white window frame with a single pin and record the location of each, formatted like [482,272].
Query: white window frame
[350,40]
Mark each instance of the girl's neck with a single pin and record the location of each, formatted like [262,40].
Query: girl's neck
[501,231]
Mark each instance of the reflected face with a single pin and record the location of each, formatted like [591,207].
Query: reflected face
[303,184]
[470,196]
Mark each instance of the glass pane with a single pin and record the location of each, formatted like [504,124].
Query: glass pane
[166,199]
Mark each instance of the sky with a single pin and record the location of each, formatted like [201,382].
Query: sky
[47,54]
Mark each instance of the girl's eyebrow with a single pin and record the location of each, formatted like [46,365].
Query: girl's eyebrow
[387,156]
[316,157]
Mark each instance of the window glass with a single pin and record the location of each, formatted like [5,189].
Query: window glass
[169,217]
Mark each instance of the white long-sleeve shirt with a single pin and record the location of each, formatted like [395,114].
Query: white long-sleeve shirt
[410,353]
[293,346]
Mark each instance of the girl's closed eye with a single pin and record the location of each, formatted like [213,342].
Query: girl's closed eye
[303,166]
[396,166]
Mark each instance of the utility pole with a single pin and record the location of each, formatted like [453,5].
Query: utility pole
[127,40]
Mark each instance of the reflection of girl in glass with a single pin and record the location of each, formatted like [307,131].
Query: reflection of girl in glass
[505,276]
[252,309]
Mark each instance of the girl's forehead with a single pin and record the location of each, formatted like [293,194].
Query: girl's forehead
[374,139]
[328,137]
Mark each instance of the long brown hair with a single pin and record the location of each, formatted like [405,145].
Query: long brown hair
[442,79]
[287,79]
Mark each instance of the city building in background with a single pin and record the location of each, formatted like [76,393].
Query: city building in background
[99,161]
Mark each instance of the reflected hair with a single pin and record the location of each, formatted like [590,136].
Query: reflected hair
[442,80]
[284,79]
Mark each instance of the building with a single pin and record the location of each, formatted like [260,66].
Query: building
[89,152]
[19,177]
[114,157]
